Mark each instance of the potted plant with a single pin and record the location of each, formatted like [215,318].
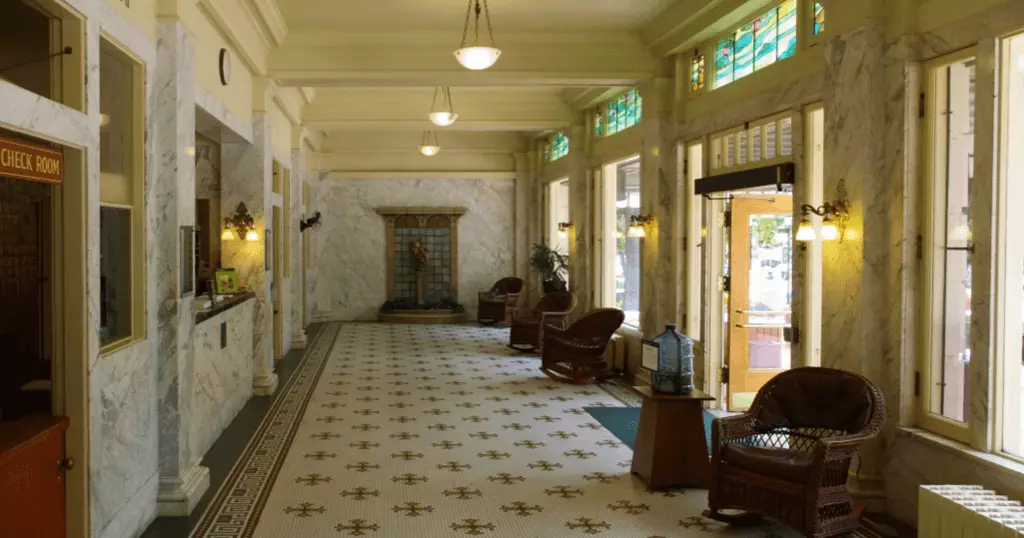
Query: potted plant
[552,266]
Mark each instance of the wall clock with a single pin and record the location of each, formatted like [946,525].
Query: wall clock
[225,67]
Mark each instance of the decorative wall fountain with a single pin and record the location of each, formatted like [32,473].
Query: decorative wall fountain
[422,252]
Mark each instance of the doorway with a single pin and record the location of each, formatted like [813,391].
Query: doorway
[760,268]
[277,283]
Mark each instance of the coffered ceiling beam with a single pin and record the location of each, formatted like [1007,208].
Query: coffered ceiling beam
[547,59]
[686,24]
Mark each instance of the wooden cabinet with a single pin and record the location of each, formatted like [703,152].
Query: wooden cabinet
[32,468]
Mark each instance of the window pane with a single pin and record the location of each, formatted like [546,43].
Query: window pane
[630,109]
[786,126]
[620,111]
[956,275]
[770,291]
[744,51]
[742,142]
[597,124]
[765,36]
[613,117]
[755,144]
[787,29]
[723,63]
[730,150]
[627,259]
[1012,258]
[697,73]
[115,274]
[770,142]
[819,18]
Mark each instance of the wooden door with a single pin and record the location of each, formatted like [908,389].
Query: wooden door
[760,294]
[32,477]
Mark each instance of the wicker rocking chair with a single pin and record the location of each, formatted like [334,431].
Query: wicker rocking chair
[576,355]
[529,324]
[787,458]
[494,304]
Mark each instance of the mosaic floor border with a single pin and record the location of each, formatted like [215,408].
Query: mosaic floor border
[235,511]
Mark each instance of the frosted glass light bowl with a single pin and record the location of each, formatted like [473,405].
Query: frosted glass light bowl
[477,58]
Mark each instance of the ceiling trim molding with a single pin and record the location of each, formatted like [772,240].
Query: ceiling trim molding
[308,94]
[409,150]
[455,78]
[419,125]
[223,21]
[272,19]
[584,98]
[422,174]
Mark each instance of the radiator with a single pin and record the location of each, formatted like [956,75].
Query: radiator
[967,512]
[615,353]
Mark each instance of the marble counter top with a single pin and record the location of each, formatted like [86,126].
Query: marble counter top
[229,301]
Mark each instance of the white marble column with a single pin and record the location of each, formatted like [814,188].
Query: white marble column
[247,171]
[524,187]
[659,190]
[171,204]
[855,309]
[298,212]
[581,215]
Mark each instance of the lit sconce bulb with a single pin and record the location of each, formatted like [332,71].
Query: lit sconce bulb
[430,151]
[190,151]
[619,234]
[562,234]
[805,232]
[227,234]
[443,119]
[104,120]
[636,230]
[251,235]
[960,232]
[829,231]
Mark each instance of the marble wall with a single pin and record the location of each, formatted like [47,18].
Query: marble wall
[223,376]
[348,250]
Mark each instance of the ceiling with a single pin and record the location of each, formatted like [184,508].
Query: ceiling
[449,15]
[375,64]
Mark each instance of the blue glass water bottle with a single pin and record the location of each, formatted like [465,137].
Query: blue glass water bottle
[675,362]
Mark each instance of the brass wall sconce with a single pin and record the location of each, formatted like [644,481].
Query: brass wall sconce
[312,222]
[833,218]
[563,229]
[242,223]
[637,224]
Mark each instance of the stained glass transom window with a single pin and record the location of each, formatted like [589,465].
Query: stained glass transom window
[559,147]
[624,112]
[819,19]
[697,72]
[759,43]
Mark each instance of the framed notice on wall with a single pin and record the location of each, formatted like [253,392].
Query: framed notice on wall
[187,269]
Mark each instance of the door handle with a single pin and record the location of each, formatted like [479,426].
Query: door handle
[67,464]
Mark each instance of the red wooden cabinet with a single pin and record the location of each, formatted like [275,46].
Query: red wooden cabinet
[32,467]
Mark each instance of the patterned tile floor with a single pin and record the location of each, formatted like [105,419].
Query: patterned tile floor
[437,431]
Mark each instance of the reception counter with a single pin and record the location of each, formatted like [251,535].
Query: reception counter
[222,381]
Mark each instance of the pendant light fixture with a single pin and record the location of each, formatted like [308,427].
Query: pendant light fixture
[429,146]
[477,57]
[445,115]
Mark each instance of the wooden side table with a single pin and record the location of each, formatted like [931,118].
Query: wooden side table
[671,447]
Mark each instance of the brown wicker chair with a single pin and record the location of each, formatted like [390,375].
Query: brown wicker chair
[528,324]
[494,304]
[576,355]
[788,457]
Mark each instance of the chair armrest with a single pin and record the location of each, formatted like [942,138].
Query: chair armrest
[512,299]
[844,441]
[523,312]
[555,319]
[726,428]
[484,295]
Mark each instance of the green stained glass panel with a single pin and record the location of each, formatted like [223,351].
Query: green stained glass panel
[620,113]
[613,118]
[639,108]
[787,29]
[630,109]
[744,56]
[723,63]
[819,18]
[559,147]
[765,37]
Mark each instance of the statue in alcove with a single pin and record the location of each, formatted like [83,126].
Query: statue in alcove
[420,255]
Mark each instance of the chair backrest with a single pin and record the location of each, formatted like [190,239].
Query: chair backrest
[598,323]
[509,284]
[556,301]
[819,398]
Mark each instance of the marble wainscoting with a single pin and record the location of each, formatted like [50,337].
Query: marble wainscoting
[223,375]
[123,470]
[348,250]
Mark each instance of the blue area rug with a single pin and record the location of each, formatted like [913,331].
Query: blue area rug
[623,422]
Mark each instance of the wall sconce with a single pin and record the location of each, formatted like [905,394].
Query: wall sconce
[241,222]
[563,230]
[311,222]
[637,224]
[833,218]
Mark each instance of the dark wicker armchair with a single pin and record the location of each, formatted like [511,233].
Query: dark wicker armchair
[788,457]
[494,304]
[528,324]
[576,354]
